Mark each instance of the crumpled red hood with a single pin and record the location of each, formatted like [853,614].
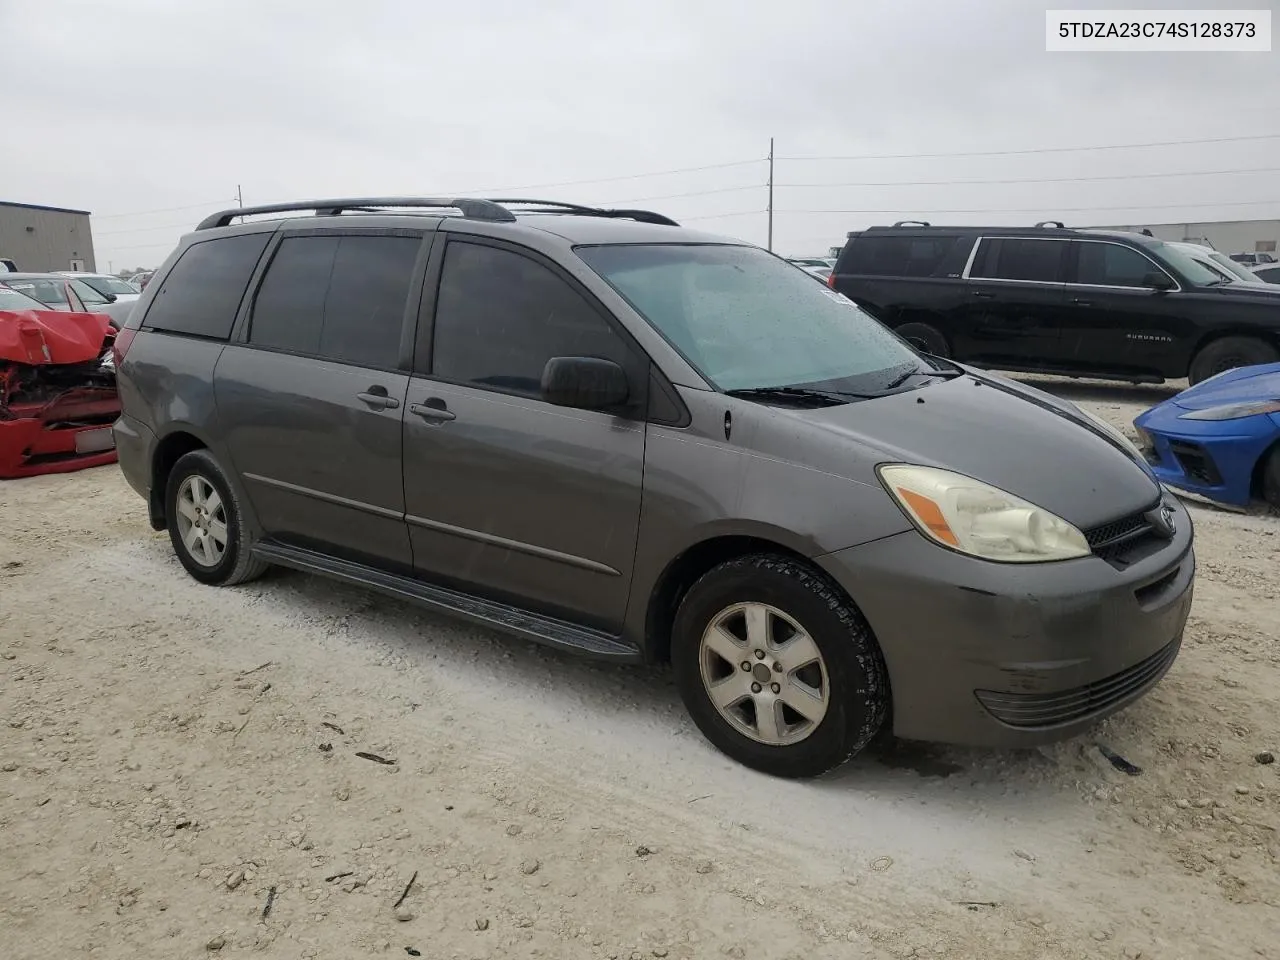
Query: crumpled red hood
[38,337]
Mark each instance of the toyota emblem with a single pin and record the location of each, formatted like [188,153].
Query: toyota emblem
[1162,521]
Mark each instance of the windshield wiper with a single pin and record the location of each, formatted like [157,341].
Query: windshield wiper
[797,393]
[941,374]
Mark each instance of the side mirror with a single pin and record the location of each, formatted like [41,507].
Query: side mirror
[1157,281]
[111,297]
[587,383]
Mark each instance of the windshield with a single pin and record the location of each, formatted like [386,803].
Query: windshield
[87,293]
[1195,272]
[11,299]
[1230,266]
[745,318]
[46,291]
[110,285]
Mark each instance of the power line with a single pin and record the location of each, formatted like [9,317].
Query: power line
[630,176]
[964,183]
[719,216]
[160,226]
[1014,153]
[679,196]
[1162,206]
[143,213]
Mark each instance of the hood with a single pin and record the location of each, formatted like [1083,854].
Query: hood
[1028,444]
[1241,385]
[38,337]
[1261,291]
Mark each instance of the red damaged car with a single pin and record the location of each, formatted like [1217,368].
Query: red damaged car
[57,388]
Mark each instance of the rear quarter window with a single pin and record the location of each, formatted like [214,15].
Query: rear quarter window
[202,292]
[889,256]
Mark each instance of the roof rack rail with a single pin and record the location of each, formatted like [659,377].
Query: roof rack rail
[642,216]
[1052,223]
[913,223]
[471,208]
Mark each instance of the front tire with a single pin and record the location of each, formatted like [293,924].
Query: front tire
[777,668]
[1229,353]
[925,337]
[206,524]
[1271,477]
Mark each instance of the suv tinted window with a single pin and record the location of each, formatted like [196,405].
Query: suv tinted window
[1011,258]
[341,298]
[501,316]
[882,256]
[1111,265]
[202,292]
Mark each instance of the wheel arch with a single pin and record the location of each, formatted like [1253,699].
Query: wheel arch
[694,561]
[1257,477]
[1253,333]
[174,445]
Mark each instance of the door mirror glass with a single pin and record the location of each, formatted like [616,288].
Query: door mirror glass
[1157,281]
[587,383]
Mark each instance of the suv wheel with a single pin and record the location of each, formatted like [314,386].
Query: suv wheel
[925,337]
[205,523]
[1229,353]
[777,668]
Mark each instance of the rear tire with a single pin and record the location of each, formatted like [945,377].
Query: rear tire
[206,524]
[1229,353]
[802,642]
[925,337]
[1271,477]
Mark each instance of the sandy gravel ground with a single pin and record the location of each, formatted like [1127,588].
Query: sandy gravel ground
[180,777]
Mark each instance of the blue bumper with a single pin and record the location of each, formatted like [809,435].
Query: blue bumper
[1213,458]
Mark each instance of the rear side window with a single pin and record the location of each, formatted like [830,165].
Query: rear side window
[1111,265]
[202,292]
[340,298]
[1011,258]
[884,256]
[501,316]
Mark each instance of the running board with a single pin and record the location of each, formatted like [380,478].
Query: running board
[499,616]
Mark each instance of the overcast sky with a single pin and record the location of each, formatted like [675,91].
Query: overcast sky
[125,107]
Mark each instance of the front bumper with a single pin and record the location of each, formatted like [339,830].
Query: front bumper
[1212,458]
[1008,655]
[71,433]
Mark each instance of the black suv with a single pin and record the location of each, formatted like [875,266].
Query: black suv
[1085,303]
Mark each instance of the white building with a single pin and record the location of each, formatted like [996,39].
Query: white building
[1227,236]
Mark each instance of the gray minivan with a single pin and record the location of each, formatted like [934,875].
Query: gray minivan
[597,430]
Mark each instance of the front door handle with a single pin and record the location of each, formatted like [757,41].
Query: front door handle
[1082,303]
[377,398]
[433,410]
[984,296]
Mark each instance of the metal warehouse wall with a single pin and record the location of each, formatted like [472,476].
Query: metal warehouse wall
[41,240]
[1229,236]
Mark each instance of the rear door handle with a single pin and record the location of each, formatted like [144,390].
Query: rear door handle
[1082,303]
[377,398]
[984,296]
[433,410]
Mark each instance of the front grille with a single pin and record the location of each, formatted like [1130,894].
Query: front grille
[1121,541]
[1029,710]
[1196,462]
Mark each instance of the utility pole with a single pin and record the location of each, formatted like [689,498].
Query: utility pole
[769,246]
[239,195]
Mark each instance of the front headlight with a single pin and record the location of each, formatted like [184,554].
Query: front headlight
[1233,411]
[1111,431]
[978,519]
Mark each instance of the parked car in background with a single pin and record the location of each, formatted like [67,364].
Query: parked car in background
[57,388]
[1267,274]
[140,280]
[106,283]
[817,266]
[7,265]
[1254,259]
[1226,267]
[60,292]
[588,428]
[1047,299]
[1221,438]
